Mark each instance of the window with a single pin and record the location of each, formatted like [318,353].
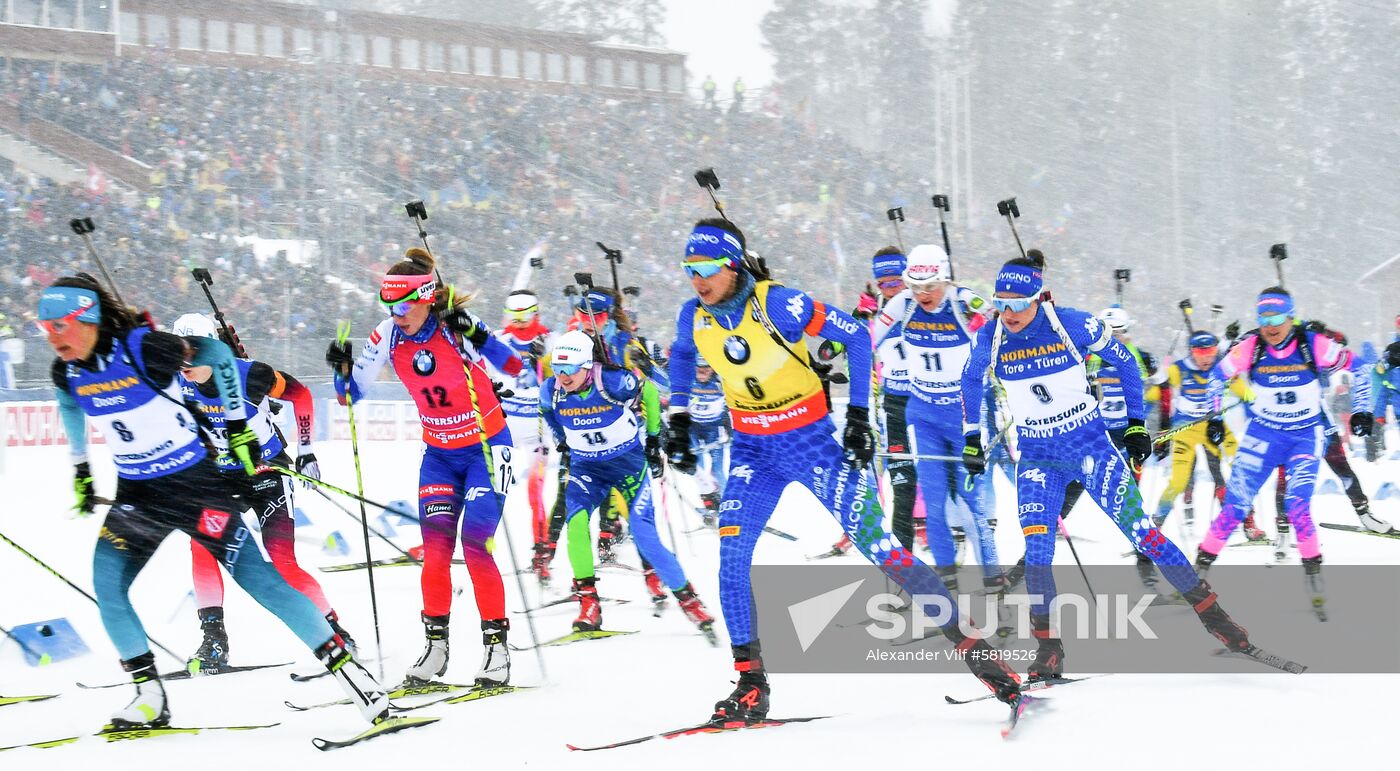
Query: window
[245,38]
[382,51]
[578,69]
[533,66]
[510,63]
[187,28]
[554,68]
[359,54]
[303,44]
[605,73]
[97,16]
[408,54]
[63,14]
[215,36]
[157,30]
[458,61]
[272,40]
[652,72]
[481,61]
[675,78]
[29,12]
[330,46]
[629,73]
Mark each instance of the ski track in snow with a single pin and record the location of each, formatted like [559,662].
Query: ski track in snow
[604,691]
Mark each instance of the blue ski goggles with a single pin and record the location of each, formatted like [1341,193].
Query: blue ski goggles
[1013,304]
[571,369]
[1274,320]
[705,268]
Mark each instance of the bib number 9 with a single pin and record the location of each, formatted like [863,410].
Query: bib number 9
[1041,392]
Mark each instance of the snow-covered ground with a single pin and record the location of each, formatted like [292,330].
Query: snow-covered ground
[664,677]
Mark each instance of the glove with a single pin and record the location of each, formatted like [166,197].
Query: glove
[867,306]
[83,488]
[307,465]
[1161,450]
[537,351]
[678,444]
[1215,431]
[339,357]
[243,445]
[974,459]
[464,323]
[829,350]
[1361,423]
[653,450]
[857,438]
[1232,330]
[1138,442]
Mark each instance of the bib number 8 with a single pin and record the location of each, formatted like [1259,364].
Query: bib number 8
[123,431]
[1041,392]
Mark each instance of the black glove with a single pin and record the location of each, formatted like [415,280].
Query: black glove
[1138,442]
[653,450]
[339,357]
[1232,330]
[1215,431]
[83,488]
[974,459]
[1392,355]
[466,324]
[1361,423]
[857,438]
[537,350]
[563,449]
[678,444]
[1161,450]
[308,466]
[243,445]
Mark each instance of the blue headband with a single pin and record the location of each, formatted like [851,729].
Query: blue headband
[888,265]
[1204,340]
[1273,302]
[710,241]
[59,301]
[597,300]
[1022,280]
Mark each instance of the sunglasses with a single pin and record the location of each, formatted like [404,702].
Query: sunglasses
[1012,304]
[890,283]
[705,268]
[522,315]
[400,306]
[60,325]
[1276,320]
[570,369]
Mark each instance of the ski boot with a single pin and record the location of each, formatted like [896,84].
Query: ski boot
[590,613]
[959,544]
[657,591]
[1049,661]
[695,611]
[837,549]
[364,691]
[433,662]
[1215,619]
[949,576]
[1281,544]
[149,709]
[1188,504]
[212,655]
[334,621]
[982,661]
[710,516]
[1204,560]
[1370,521]
[748,702]
[1147,572]
[1252,531]
[544,554]
[1016,574]
[495,656]
[1312,581]
[606,543]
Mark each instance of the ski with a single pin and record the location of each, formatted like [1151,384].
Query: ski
[475,693]
[8,700]
[766,528]
[111,734]
[388,562]
[317,675]
[1264,657]
[570,598]
[1037,685]
[828,554]
[185,674]
[402,692]
[709,727]
[615,565]
[385,726]
[597,634]
[1357,529]
[1023,703]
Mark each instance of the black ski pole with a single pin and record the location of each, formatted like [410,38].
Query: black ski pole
[78,589]
[585,283]
[342,336]
[707,179]
[375,531]
[896,216]
[1186,311]
[1121,276]
[1009,210]
[1278,253]
[83,227]
[940,202]
[206,281]
[1215,311]
[613,256]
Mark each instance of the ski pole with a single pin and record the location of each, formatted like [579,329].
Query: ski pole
[940,202]
[1121,276]
[1065,532]
[322,484]
[896,216]
[382,537]
[201,275]
[83,227]
[1008,209]
[342,336]
[1186,311]
[78,589]
[1278,253]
